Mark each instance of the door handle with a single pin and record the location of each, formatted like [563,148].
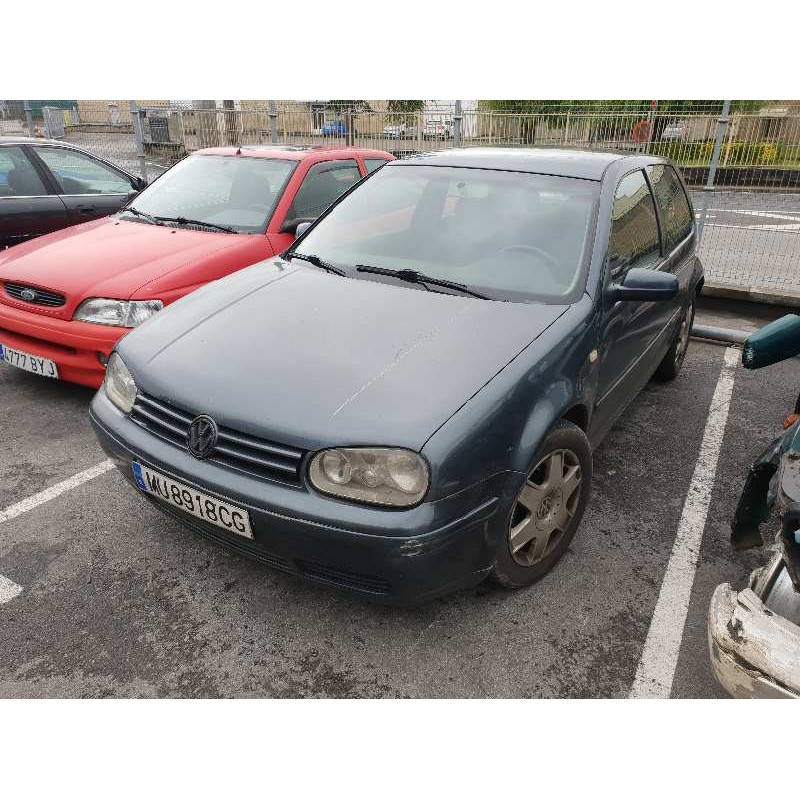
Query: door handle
[86,209]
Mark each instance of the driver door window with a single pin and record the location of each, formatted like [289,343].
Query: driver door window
[88,188]
[324,183]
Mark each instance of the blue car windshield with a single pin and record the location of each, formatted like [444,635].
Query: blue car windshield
[509,235]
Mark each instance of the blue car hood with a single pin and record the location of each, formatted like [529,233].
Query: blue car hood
[307,358]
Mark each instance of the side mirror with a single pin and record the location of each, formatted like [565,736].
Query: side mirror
[773,343]
[644,284]
[139,184]
[296,227]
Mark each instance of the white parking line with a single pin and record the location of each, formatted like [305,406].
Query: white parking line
[8,589]
[781,227]
[656,669]
[54,491]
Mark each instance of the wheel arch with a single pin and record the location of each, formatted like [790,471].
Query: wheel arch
[500,428]
[578,415]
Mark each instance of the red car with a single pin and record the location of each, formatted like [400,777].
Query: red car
[69,296]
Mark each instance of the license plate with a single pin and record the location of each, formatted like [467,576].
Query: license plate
[199,504]
[30,363]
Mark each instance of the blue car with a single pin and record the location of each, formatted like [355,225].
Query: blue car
[336,127]
[406,401]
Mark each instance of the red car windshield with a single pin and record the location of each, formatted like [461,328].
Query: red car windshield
[238,192]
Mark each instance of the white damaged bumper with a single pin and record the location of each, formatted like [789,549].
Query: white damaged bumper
[755,652]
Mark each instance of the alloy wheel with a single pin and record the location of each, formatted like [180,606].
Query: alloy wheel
[683,334]
[545,507]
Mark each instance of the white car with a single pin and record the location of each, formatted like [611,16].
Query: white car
[395,132]
[675,132]
[437,129]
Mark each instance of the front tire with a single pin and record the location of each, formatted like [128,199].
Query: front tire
[672,362]
[547,510]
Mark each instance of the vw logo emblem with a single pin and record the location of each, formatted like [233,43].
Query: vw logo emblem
[202,436]
[28,294]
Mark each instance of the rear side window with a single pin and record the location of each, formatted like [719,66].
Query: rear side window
[323,184]
[676,214]
[18,178]
[373,163]
[634,240]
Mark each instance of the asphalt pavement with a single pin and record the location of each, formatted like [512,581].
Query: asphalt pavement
[751,239]
[115,600]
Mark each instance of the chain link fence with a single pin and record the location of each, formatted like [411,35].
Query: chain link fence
[743,169]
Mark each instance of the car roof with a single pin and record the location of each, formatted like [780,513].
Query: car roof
[587,164]
[35,140]
[293,152]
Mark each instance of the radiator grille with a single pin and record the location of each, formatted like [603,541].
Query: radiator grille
[234,449]
[41,297]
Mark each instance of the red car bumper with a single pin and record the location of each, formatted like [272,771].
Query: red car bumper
[74,346]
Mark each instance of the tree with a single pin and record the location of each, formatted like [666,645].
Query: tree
[405,106]
[527,122]
[561,106]
[633,106]
[405,112]
[350,109]
[666,110]
[670,110]
[350,106]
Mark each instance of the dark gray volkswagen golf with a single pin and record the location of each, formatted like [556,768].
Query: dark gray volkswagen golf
[406,401]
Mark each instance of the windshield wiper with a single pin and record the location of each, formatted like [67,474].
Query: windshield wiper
[142,214]
[316,261]
[412,276]
[186,221]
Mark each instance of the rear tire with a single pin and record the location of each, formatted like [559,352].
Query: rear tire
[672,362]
[547,510]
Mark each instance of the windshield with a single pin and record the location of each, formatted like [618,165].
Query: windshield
[239,192]
[509,235]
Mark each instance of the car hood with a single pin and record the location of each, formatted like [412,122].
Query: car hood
[111,257]
[309,359]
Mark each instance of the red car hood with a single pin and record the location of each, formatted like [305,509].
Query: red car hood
[119,259]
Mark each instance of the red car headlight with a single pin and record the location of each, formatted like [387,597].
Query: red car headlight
[120,313]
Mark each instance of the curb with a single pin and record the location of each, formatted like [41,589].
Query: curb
[755,294]
[716,334]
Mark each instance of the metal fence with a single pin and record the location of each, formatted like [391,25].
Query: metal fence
[743,168]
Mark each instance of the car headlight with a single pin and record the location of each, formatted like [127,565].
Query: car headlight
[122,313]
[119,386]
[385,476]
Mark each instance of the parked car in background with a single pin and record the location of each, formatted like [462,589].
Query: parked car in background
[66,298]
[46,185]
[334,127]
[675,131]
[401,131]
[406,401]
[438,129]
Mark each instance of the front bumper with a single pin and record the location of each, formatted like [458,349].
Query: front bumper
[399,557]
[755,652]
[74,346]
